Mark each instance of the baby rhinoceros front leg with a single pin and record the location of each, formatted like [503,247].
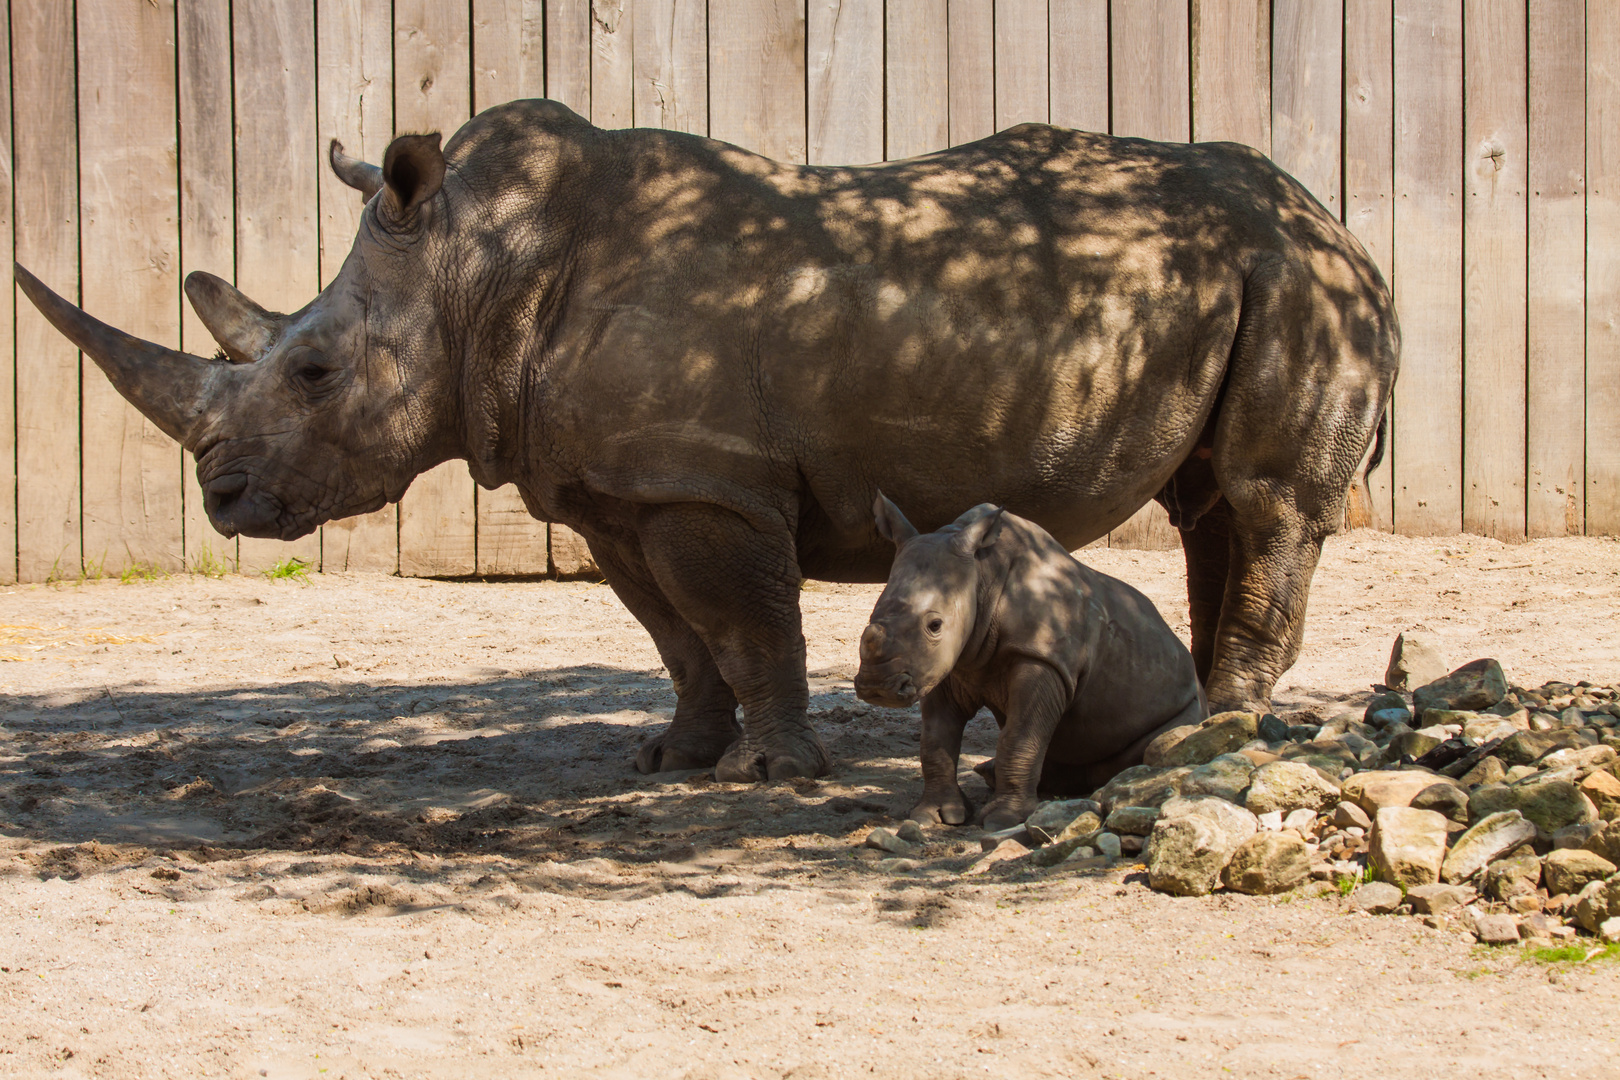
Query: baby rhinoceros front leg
[943,802]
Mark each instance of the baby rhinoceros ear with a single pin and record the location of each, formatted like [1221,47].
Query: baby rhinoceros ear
[891,523]
[981,527]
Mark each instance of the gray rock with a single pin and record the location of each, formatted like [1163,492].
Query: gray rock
[1192,842]
[1551,804]
[1132,845]
[1412,744]
[1528,747]
[1489,770]
[1267,863]
[1415,660]
[1108,845]
[991,840]
[1154,755]
[1486,841]
[1438,899]
[1609,931]
[1447,799]
[1497,930]
[1386,708]
[1132,820]
[1347,814]
[884,840]
[897,866]
[1288,786]
[910,832]
[1375,898]
[1576,836]
[1605,842]
[1270,821]
[1476,685]
[1407,846]
[1140,785]
[1224,777]
[1222,733]
[1302,821]
[1055,816]
[1057,852]
[1081,829]
[1597,903]
[1272,729]
[1568,870]
[1002,852]
[1507,878]
[1372,791]
[1584,758]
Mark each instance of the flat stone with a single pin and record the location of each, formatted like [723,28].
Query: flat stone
[1438,899]
[1489,770]
[1478,684]
[1154,755]
[1288,786]
[1486,841]
[1372,791]
[1057,851]
[1415,659]
[1507,878]
[1375,898]
[1002,852]
[1082,828]
[1192,842]
[1267,863]
[1551,804]
[1132,820]
[1576,836]
[884,840]
[897,866]
[1347,814]
[1407,846]
[1140,785]
[991,840]
[1606,842]
[1568,870]
[1302,821]
[1528,747]
[1056,815]
[1604,791]
[911,833]
[1270,822]
[1452,718]
[1411,744]
[1224,777]
[1488,729]
[1537,925]
[1223,733]
[1497,930]
[1447,799]
[1584,758]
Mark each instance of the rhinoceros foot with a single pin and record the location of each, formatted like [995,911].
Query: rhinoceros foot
[683,751]
[950,808]
[782,759]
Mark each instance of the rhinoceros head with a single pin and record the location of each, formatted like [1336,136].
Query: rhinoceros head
[321,413]
[928,610]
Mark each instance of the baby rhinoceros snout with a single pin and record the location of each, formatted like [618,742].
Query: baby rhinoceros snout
[883,679]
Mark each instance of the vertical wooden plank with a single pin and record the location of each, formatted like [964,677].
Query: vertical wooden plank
[1150,69]
[355,105]
[1307,96]
[845,81]
[1079,64]
[1602,268]
[917,79]
[1369,192]
[207,216]
[509,51]
[46,171]
[1555,383]
[1151,76]
[756,70]
[8,366]
[1495,139]
[568,53]
[1231,71]
[508,63]
[438,518]
[129,239]
[672,65]
[612,54]
[1022,86]
[1428,253]
[972,36]
[277,170]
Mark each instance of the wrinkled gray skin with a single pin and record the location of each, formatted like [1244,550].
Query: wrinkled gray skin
[707,362]
[1078,668]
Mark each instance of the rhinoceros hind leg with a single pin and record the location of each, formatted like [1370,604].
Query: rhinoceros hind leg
[738,586]
[1208,549]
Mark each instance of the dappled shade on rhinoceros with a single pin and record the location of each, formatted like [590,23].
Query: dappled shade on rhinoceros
[707,362]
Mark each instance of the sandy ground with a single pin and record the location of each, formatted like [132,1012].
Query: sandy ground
[379,827]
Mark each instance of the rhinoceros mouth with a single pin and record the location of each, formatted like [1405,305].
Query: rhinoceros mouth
[897,690]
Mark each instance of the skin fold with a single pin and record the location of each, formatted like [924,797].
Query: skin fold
[707,362]
[1078,668]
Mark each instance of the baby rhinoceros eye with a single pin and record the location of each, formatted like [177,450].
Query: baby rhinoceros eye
[935,625]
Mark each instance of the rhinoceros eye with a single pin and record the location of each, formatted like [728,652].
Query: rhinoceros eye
[310,368]
[935,625]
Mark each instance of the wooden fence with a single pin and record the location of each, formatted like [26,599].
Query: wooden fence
[1468,145]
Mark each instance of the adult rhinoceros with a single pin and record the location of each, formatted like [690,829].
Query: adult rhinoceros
[707,363]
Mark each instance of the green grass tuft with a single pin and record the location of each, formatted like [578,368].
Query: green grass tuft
[208,564]
[293,569]
[1576,952]
[141,572]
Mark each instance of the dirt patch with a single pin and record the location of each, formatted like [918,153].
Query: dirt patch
[381,827]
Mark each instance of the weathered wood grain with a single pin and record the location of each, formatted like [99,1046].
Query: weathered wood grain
[46,174]
[1307,95]
[1555,380]
[1496,146]
[1022,85]
[1231,71]
[756,55]
[509,51]
[672,65]
[1150,69]
[613,81]
[972,59]
[8,366]
[568,53]
[1602,268]
[1079,63]
[845,81]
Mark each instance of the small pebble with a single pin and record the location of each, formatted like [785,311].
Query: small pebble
[910,832]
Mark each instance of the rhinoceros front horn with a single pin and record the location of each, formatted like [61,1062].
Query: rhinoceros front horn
[169,387]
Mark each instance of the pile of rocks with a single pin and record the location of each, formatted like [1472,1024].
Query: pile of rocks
[1454,796]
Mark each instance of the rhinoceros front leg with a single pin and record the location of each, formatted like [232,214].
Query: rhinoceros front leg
[705,722]
[943,720]
[737,585]
[1036,700]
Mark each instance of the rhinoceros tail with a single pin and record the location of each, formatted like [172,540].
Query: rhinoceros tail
[1378,445]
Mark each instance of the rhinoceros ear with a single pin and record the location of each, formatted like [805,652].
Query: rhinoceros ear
[891,523]
[364,177]
[413,170]
[981,527]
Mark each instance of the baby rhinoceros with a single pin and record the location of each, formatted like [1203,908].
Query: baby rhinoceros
[1078,668]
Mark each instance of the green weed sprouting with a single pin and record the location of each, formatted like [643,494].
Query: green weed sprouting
[290,569]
